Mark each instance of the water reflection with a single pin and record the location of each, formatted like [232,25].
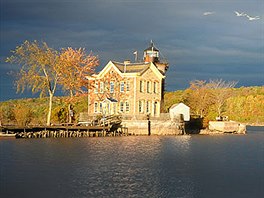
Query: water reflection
[156,166]
[135,165]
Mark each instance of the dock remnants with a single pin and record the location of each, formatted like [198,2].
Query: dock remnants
[64,131]
[109,126]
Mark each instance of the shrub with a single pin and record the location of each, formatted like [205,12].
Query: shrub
[22,114]
[59,114]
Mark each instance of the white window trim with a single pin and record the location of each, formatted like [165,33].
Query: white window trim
[96,87]
[122,86]
[127,106]
[127,86]
[147,106]
[141,106]
[141,86]
[95,107]
[101,107]
[112,87]
[101,87]
[148,86]
[121,106]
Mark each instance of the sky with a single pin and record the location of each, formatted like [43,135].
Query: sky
[201,39]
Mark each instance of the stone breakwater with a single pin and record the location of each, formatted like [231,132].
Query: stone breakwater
[220,127]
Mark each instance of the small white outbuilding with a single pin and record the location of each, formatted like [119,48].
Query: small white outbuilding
[180,108]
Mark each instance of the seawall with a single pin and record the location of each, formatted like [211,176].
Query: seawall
[220,127]
[154,127]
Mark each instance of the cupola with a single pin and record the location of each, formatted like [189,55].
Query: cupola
[151,54]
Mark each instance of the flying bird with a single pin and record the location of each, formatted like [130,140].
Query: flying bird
[252,18]
[240,13]
[208,13]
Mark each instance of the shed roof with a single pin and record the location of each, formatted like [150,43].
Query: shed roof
[176,104]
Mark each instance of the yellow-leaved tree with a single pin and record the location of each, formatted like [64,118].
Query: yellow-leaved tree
[75,65]
[74,68]
[39,69]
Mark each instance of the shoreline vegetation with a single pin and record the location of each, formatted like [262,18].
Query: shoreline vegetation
[244,105]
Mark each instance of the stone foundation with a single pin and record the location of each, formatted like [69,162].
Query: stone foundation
[219,127]
[154,127]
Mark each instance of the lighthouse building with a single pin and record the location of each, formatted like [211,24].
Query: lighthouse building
[129,88]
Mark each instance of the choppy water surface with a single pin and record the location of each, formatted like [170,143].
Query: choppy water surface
[156,166]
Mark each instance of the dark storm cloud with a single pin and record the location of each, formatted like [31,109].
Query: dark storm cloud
[219,45]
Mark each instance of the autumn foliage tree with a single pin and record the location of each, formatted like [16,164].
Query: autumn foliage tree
[75,65]
[198,97]
[74,68]
[221,91]
[204,97]
[39,69]
[22,114]
[43,68]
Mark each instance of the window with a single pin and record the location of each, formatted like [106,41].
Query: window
[101,107]
[112,87]
[122,106]
[148,87]
[122,86]
[147,106]
[140,106]
[155,87]
[127,86]
[96,87]
[95,107]
[141,86]
[127,107]
[101,87]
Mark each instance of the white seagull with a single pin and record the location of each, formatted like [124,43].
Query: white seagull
[252,18]
[208,13]
[240,13]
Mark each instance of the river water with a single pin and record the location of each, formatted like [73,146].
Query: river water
[156,166]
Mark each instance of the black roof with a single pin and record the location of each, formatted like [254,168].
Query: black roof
[151,47]
[112,99]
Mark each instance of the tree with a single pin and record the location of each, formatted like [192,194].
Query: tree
[22,114]
[204,97]
[74,67]
[199,97]
[39,69]
[221,92]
